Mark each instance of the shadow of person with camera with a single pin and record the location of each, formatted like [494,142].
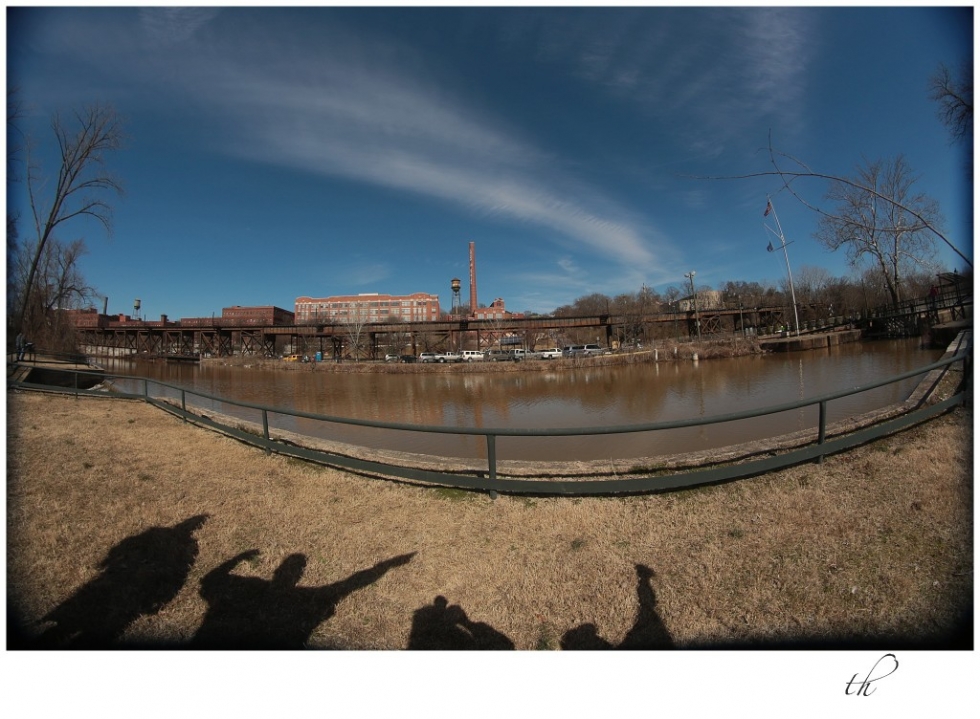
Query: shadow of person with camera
[138,576]
[648,630]
[441,625]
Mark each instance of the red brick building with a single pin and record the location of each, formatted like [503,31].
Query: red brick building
[370,307]
[265,315]
[496,311]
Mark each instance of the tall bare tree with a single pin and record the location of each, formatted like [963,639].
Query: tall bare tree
[81,185]
[14,144]
[889,223]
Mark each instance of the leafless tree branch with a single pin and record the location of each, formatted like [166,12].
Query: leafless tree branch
[81,182]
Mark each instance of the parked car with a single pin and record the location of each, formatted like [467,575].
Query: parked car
[499,356]
[391,358]
[428,357]
[582,351]
[449,357]
[408,359]
[552,353]
[518,355]
[292,358]
[472,356]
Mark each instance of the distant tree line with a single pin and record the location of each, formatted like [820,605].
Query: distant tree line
[819,295]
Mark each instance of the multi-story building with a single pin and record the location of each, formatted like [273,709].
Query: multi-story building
[261,315]
[370,307]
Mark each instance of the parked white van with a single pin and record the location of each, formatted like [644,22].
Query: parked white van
[472,356]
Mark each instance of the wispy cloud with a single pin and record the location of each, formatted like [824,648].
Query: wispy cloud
[672,62]
[363,274]
[374,123]
[169,25]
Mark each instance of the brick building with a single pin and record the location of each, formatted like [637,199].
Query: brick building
[370,307]
[496,311]
[265,315]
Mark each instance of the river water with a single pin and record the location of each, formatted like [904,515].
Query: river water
[573,397]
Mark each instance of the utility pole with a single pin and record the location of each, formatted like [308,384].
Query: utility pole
[694,297]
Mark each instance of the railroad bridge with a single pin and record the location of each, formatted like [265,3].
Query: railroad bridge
[226,337]
[221,337]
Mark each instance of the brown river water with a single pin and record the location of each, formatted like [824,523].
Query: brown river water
[582,397]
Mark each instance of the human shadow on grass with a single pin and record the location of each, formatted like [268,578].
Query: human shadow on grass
[139,576]
[254,613]
[648,630]
[441,625]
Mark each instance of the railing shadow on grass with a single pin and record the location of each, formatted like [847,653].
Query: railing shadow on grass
[174,399]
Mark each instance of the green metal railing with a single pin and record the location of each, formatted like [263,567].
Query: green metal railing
[490,481]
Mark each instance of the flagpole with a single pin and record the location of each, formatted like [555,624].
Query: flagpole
[789,272]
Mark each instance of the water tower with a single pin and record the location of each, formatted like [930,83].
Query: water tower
[455,286]
[136,308]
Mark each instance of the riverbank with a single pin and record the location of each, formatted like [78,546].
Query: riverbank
[664,352]
[872,548]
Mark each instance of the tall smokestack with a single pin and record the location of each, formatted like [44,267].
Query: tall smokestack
[473,304]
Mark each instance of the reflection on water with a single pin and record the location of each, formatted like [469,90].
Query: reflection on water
[581,398]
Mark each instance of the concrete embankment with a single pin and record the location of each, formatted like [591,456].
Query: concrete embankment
[810,342]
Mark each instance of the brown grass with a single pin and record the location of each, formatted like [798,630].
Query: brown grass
[872,547]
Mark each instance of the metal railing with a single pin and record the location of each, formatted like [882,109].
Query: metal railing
[174,398]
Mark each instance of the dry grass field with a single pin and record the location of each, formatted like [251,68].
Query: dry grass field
[129,528]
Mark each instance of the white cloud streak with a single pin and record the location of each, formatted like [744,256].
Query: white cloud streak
[380,127]
[674,62]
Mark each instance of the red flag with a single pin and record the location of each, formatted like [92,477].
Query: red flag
[768,209]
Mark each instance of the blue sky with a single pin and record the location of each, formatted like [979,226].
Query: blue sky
[275,153]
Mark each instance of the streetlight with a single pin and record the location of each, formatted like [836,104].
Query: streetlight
[741,320]
[694,296]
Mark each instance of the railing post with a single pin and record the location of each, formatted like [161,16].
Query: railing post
[492,455]
[183,402]
[965,382]
[822,434]
[265,429]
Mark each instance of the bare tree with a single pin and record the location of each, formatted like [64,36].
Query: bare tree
[955,98]
[14,113]
[811,283]
[789,177]
[887,224]
[80,186]
[58,286]
[354,323]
